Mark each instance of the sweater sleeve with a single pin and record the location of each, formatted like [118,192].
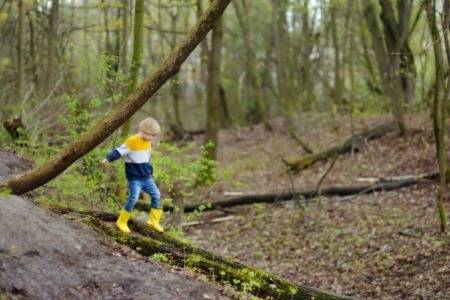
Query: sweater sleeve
[117,153]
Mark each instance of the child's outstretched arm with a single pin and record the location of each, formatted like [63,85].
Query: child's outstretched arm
[116,154]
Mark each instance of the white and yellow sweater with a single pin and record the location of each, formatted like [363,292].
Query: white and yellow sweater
[136,152]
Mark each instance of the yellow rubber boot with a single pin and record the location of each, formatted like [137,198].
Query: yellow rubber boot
[154,218]
[122,221]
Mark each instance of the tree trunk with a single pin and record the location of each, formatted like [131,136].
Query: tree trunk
[175,84]
[203,49]
[356,141]
[373,81]
[34,72]
[388,68]
[136,60]
[123,111]
[338,79]
[21,53]
[381,184]
[281,54]
[305,78]
[108,46]
[261,110]
[323,56]
[124,49]
[87,60]
[52,37]
[439,104]
[340,191]
[396,38]
[213,101]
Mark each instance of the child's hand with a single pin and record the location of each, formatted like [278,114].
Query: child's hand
[105,162]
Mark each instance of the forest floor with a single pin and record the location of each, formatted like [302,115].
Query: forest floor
[384,245]
[44,256]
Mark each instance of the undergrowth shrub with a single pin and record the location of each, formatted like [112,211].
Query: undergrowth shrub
[87,184]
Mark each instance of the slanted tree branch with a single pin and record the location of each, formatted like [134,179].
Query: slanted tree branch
[123,111]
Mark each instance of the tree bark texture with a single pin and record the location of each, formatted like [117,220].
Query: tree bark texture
[124,49]
[136,60]
[281,49]
[259,110]
[338,78]
[138,41]
[21,52]
[52,37]
[122,112]
[388,65]
[213,91]
[175,84]
[439,105]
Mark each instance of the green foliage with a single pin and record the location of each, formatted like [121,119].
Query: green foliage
[5,138]
[198,212]
[161,257]
[178,165]
[176,233]
[76,120]
[206,168]
[113,83]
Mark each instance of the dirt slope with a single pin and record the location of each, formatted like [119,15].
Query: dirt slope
[43,256]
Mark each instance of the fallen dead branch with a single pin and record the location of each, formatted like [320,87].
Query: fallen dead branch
[216,220]
[340,191]
[301,142]
[147,242]
[355,142]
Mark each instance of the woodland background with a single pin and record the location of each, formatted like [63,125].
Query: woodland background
[276,85]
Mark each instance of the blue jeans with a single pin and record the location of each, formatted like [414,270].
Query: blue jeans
[147,186]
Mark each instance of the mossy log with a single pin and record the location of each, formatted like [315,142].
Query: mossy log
[147,242]
[354,142]
[340,191]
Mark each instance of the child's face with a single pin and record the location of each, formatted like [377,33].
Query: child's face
[148,136]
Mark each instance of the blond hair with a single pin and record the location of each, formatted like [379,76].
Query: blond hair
[150,126]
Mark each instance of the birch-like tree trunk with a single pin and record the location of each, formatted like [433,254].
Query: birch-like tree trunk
[388,68]
[439,104]
[213,90]
[338,79]
[124,48]
[21,52]
[175,84]
[136,59]
[52,37]
[251,62]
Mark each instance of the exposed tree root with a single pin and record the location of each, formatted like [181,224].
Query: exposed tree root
[147,242]
[355,142]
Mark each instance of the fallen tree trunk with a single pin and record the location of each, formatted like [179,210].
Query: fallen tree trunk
[147,242]
[341,191]
[123,111]
[354,142]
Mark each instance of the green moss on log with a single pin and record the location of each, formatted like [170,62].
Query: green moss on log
[296,163]
[244,278]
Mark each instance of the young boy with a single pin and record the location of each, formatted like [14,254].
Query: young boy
[139,172]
